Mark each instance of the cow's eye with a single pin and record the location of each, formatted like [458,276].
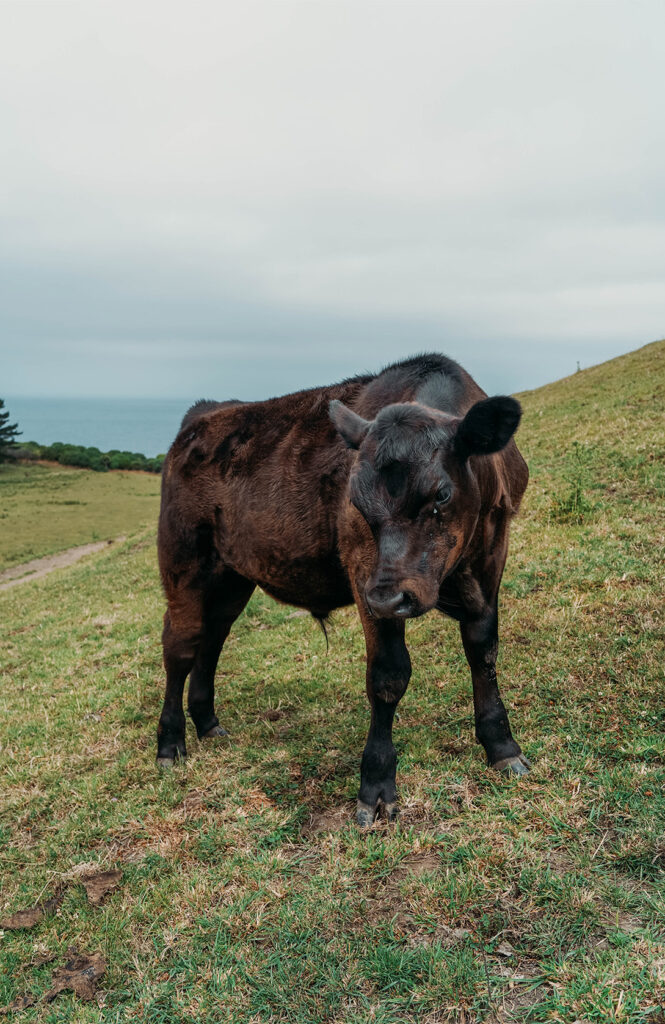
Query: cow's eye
[443,496]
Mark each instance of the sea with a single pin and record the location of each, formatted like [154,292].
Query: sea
[146,425]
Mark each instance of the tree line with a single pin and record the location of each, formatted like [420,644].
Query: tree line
[70,454]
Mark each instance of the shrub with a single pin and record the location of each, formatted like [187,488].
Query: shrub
[91,458]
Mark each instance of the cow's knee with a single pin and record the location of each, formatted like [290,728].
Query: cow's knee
[181,636]
[389,675]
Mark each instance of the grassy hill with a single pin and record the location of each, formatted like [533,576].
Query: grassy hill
[247,894]
[47,508]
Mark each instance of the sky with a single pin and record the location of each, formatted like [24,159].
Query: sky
[244,199]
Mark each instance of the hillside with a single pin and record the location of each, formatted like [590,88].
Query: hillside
[47,508]
[617,408]
[247,894]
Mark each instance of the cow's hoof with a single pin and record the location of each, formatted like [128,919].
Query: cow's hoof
[167,760]
[215,731]
[365,814]
[517,765]
[391,811]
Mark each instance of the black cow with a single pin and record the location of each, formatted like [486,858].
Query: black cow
[395,491]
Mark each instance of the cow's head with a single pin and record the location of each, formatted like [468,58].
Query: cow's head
[413,485]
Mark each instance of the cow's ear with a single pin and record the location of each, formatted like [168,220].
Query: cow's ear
[351,427]
[487,427]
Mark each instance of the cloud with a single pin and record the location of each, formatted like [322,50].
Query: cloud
[321,187]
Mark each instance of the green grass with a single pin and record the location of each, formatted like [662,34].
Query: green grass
[248,894]
[44,509]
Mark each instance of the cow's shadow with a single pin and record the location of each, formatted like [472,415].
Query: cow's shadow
[296,706]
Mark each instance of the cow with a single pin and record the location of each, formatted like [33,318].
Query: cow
[394,491]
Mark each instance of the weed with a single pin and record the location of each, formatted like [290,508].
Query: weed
[574,506]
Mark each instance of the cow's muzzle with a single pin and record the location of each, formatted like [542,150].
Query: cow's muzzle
[387,602]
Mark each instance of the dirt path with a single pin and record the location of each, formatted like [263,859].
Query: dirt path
[39,567]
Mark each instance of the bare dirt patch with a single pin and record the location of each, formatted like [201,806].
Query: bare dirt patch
[526,988]
[417,812]
[40,567]
[332,819]
[426,863]
[162,836]
[388,905]
[559,862]
[622,920]
[390,908]
[254,802]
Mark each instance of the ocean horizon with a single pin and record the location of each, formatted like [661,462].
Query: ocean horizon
[146,425]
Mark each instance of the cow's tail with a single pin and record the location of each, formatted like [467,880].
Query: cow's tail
[323,621]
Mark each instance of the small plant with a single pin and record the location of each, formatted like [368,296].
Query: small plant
[575,506]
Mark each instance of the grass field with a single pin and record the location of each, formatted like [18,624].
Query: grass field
[44,509]
[247,893]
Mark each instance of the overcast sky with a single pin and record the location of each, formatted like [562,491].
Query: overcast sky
[241,199]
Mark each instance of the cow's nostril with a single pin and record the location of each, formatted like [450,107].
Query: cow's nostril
[384,605]
[395,601]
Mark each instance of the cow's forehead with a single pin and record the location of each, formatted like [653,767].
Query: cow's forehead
[406,433]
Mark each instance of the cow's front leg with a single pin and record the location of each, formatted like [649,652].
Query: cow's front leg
[480,636]
[388,674]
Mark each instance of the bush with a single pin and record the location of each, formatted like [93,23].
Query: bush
[91,458]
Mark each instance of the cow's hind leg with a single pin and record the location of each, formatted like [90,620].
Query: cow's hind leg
[180,640]
[480,637]
[223,604]
[388,674]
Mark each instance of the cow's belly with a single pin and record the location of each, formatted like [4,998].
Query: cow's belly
[320,584]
